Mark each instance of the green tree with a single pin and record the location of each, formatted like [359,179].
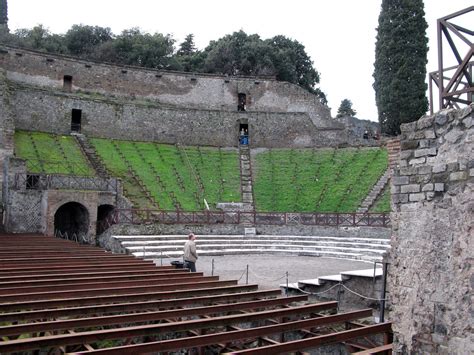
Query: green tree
[39,38]
[187,47]
[400,64]
[133,47]
[3,14]
[82,40]
[345,109]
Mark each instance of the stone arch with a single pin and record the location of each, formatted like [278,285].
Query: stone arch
[72,218]
[103,211]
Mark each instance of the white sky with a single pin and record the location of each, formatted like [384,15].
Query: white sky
[339,35]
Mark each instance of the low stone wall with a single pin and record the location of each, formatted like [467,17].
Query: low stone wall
[430,278]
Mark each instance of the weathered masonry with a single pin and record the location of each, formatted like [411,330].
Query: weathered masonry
[60,94]
[431,276]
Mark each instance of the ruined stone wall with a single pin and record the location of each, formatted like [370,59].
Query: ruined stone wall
[7,127]
[431,277]
[174,88]
[50,111]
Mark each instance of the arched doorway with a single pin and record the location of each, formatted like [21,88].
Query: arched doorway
[71,221]
[103,211]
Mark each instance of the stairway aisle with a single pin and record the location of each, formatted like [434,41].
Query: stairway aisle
[246,178]
[91,154]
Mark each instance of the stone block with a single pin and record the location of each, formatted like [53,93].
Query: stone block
[471,172]
[424,143]
[400,180]
[468,122]
[394,189]
[408,127]
[441,118]
[423,170]
[425,122]
[409,144]
[439,187]
[470,164]
[428,187]
[453,166]
[417,161]
[458,175]
[408,171]
[454,135]
[430,134]
[405,154]
[430,195]
[403,163]
[416,197]
[400,198]
[439,168]
[425,152]
[410,188]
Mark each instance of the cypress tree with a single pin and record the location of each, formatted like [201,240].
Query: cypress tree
[400,64]
[3,14]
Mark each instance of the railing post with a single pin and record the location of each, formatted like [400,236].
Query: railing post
[247,275]
[177,216]
[337,219]
[353,219]
[238,217]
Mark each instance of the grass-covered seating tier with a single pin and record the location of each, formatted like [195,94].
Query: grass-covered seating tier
[51,154]
[322,180]
[174,176]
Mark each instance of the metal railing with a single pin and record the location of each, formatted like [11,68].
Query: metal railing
[139,216]
[24,181]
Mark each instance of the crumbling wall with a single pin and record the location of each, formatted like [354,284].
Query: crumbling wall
[192,90]
[430,277]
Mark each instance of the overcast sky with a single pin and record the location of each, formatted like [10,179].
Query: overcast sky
[339,35]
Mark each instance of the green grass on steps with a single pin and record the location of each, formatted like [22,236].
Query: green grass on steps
[382,204]
[324,180]
[55,154]
[292,180]
[181,171]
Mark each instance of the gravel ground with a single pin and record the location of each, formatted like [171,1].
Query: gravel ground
[269,271]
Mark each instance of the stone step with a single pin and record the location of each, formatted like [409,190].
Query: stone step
[235,246]
[152,238]
[253,240]
[240,251]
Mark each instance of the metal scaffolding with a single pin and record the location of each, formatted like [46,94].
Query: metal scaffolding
[61,297]
[454,83]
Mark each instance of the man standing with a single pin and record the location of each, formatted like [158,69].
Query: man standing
[190,254]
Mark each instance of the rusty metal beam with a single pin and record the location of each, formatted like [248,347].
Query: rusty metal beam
[148,269]
[92,292]
[104,284]
[232,336]
[94,300]
[142,317]
[383,349]
[138,306]
[128,332]
[313,342]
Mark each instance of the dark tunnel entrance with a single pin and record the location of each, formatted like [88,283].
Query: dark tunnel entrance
[71,221]
[103,211]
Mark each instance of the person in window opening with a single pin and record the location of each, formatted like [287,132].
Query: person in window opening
[246,137]
[366,134]
[190,254]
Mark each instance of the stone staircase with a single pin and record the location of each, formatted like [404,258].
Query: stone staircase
[246,178]
[158,246]
[375,192]
[91,154]
[357,283]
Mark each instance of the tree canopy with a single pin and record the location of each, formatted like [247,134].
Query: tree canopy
[400,64]
[3,13]
[345,109]
[238,53]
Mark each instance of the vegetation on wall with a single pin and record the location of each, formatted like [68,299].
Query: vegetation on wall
[400,64]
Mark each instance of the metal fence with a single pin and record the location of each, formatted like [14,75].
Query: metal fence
[24,181]
[137,216]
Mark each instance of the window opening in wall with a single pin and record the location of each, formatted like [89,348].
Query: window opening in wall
[244,134]
[76,117]
[242,102]
[67,82]
[32,182]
